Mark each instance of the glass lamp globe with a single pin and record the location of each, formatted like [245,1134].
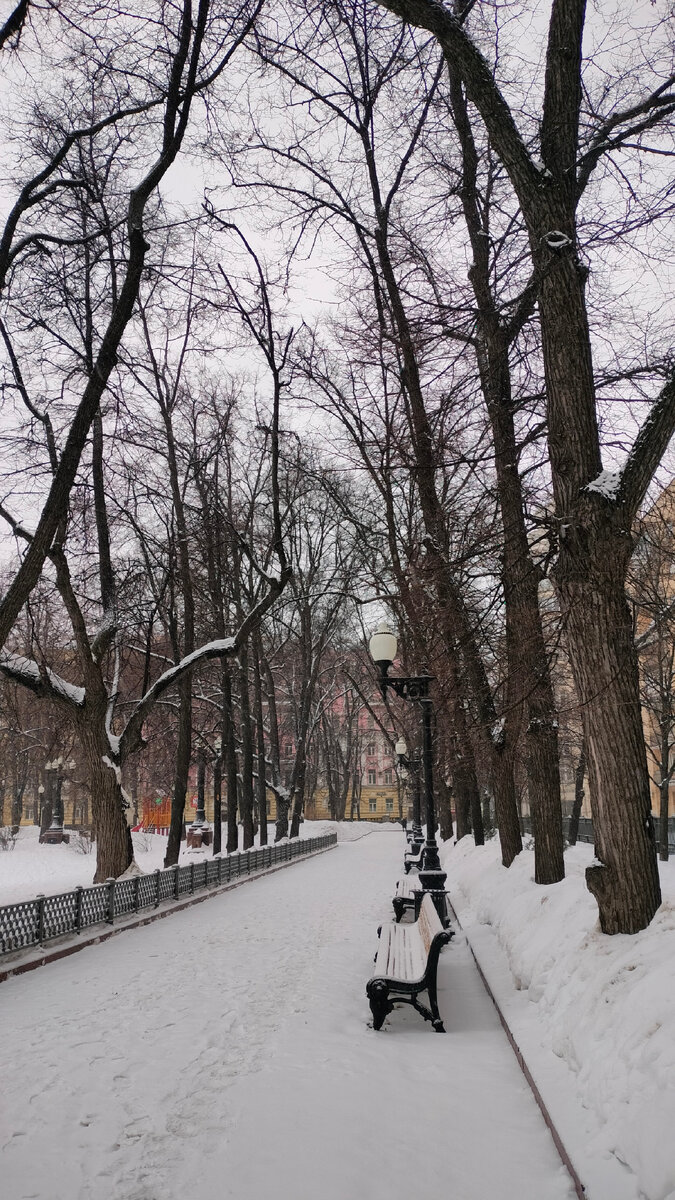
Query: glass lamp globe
[383,645]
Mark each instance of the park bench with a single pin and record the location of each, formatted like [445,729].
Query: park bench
[405,966]
[413,856]
[408,894]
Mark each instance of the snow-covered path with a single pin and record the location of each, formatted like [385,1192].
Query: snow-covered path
[225,1052]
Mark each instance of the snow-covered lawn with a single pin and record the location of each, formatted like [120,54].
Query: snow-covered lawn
[602,1006]
[30,869]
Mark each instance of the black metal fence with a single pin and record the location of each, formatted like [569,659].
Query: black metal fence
[585,833]
[32,922]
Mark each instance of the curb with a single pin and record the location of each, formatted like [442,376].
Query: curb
[41,957]
[541,1103]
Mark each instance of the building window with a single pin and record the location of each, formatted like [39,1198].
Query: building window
[288,749]
[372,806]
[372,777]
[387,775]
[389,805]
[370,749]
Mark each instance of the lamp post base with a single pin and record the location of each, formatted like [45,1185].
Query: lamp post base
[433,883]
[198,836]
[54,837]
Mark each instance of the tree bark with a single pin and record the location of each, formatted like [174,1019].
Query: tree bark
[590,578]
[573,830]
[664,785]
[245,734]
[114,848]
[261,779]
[230,752]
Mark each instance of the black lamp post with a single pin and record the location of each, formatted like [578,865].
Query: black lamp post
[199,833]
[383,646]
[55,835]
[411,765]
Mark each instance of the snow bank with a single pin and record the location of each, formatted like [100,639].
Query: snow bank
[604,1005]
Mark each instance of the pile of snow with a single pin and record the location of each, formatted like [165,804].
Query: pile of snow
[603,1005]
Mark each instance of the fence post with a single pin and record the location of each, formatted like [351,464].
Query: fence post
[157,877]
[137,885]
[220,870]
[176,887]
[110,884]
[192,878]
[78,908]
[40,918]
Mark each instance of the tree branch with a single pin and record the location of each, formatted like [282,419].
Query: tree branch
[222,648]
[43,683]
[648,450]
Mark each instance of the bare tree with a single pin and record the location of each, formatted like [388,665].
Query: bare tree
[192,67]
[594,509]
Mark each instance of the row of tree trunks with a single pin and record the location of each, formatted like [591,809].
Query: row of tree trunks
[590,572]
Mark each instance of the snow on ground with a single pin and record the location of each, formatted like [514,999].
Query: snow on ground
[594,1015]
[225,1052]
[30,869]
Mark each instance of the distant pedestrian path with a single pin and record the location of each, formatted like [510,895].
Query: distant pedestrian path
[227,1054]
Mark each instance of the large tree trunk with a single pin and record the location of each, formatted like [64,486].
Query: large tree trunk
[298,794]
[506,807]
[114,848]
[444,810]
[218,804]
[580,771]
[230,756]
[245,733]
[590,579]
[463,766]
[181,773]
[664,785]
[261,780]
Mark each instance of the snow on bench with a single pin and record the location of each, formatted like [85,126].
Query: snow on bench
[405,965]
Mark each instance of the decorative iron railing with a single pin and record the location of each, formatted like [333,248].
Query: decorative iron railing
[585,833]
[32,922]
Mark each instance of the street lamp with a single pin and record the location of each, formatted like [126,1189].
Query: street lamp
[410,763]
[383,645]
[199,833]
[55,835]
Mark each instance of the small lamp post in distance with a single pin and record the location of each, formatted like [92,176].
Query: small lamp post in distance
[383,646]
[410,765]
[199,832]
[55,835]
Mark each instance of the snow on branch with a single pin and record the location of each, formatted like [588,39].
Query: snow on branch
[606,484]
[648,449]
[43,682]
[220,648]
